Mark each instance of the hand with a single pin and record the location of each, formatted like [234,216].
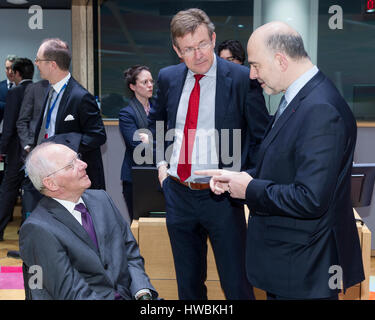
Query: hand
[223,180]
[144,137]
[163,174]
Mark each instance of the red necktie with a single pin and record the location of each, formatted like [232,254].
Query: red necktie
[184,163]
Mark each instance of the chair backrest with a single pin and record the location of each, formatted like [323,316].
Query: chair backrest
[363,179]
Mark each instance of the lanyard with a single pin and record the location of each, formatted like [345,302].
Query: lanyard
[49,114]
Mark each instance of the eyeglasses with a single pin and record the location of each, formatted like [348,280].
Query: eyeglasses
[40,60]
[190,50]
[69,166]
[145,82]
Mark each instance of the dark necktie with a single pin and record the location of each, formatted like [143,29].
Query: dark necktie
[42,132]
[10,85]
[280,109]
[87,222]
[184,162]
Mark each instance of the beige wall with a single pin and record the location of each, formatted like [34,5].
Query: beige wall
[83,43]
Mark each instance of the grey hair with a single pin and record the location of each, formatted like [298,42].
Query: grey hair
[37,166]
[11,57]
[290,44]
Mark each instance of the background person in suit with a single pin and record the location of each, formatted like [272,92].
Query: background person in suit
[70,108]
[28,119]
[133,117]
[200,95]
[31,110]
[6,84]
[301,222]
[23,70]
[232,50]
[101,261]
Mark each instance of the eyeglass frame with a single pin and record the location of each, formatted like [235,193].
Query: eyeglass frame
[78,156]
[191,50]
[37,60]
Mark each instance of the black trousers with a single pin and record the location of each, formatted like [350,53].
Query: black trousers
[9,189]
[192,217]
[271,296]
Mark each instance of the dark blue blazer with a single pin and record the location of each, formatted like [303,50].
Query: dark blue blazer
[128,126]
[10,139]
[79,113]
[3,95]
[239,104]
[302,219]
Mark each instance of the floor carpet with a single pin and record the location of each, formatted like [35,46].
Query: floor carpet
[11,278]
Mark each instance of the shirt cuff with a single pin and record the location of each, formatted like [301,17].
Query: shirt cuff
[141,293]
[162,163]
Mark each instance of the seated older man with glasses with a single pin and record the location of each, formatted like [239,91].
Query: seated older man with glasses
[77,237]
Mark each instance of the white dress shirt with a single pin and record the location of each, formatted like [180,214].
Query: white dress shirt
[204,155]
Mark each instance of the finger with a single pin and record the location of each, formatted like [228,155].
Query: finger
[222,179]
[211,172]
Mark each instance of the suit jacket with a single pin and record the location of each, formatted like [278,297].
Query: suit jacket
[9,139]
[239,104]
[128,126]
[72,266]
[3,95]
[77,103]
[31,110]
[301,215]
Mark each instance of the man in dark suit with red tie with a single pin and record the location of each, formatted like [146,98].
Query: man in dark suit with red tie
[217,114]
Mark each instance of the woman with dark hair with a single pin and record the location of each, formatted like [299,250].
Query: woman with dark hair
[133,117]
[231,50]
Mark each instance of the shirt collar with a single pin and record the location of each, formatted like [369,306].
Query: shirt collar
[68,205]
[58,85]
[24,80]
[8,82]
[298,84]
[211,72]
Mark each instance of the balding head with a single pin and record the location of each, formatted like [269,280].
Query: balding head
[56,171]
[276,56]
[278,36]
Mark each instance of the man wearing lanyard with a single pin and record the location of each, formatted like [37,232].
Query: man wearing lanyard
[70,111]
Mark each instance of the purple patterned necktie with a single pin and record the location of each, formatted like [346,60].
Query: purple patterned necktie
[87,222]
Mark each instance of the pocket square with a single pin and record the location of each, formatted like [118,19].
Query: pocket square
[69,117]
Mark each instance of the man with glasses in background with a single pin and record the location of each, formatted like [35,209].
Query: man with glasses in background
[82,244]
[209,95]
[70,112]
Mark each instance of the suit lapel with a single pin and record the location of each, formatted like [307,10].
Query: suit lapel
[223,91]
[63,104]
[176,92]
[293,106]
[66,218]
